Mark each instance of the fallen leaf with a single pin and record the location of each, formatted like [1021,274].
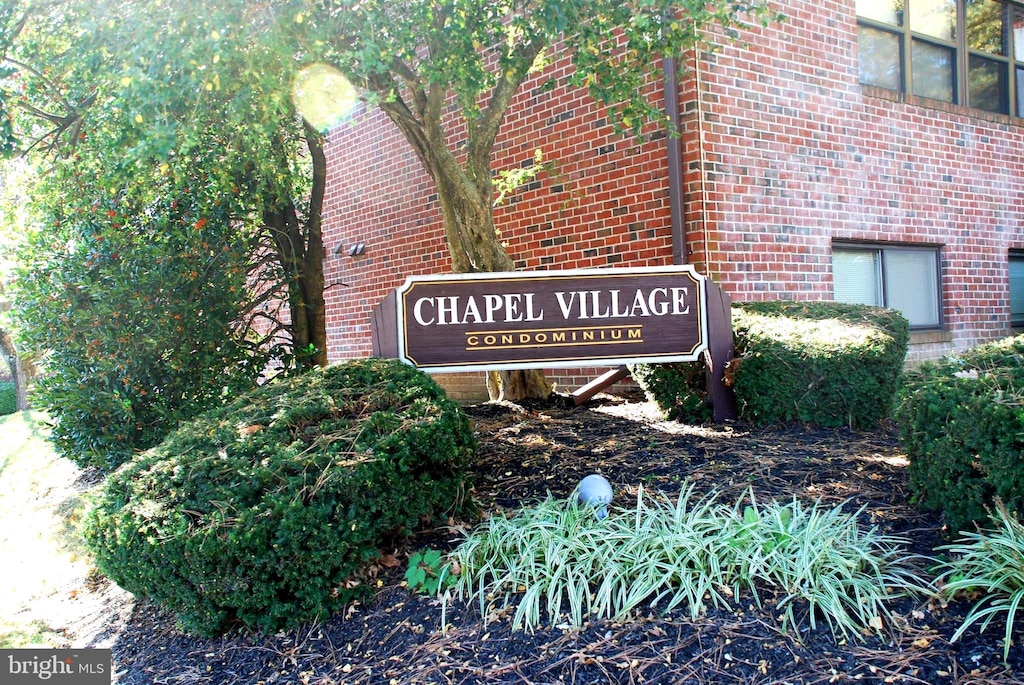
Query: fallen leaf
[387,561]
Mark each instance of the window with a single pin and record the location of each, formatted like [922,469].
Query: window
[1017,289]
[969,52]
[901,277]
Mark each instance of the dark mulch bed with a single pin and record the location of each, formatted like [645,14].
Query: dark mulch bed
[528,452]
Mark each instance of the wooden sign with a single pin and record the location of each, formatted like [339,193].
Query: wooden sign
[471,322]
[548,319]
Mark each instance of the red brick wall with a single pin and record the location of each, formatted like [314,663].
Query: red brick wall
[796,153]
[603,201]
[783,151]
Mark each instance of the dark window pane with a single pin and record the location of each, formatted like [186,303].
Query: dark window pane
[888,11]
[985,26]
[932,71]
[879,58]
[986,84]
[934,18]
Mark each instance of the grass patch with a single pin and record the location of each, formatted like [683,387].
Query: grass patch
[39,541]
[693,552]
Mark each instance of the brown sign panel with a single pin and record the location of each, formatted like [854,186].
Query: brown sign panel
[470,322]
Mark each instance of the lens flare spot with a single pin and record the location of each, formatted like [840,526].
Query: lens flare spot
[323,96]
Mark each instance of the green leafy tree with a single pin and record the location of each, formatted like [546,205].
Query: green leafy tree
[174,75]
[21,366]
[9,29]
[138,275]
[166,86]
[415,59]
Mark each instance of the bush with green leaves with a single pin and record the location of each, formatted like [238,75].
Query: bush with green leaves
[130,296]
[263,512]
[428,571]
[679,389]
[961,422]
[686,552]
[827,363]
[989,563]
[8,398]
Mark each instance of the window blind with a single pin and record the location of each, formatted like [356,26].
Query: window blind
[856,276]
[911,284]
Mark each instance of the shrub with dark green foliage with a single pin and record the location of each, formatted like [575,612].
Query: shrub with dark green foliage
[679,389]
[262,513]
[961,422]
[827,363]
[8,398]
[130,295]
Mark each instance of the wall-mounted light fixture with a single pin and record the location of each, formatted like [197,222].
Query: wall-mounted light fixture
[353,250]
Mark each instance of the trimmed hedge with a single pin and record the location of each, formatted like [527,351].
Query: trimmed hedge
[827,363]
[961,422]
[8,398]
[264,512]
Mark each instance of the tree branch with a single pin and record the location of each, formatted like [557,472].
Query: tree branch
[501,97]
[314,143]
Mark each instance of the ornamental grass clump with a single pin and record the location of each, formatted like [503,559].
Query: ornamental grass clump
[560,553]
[989,563]
[824,558]
[692,552]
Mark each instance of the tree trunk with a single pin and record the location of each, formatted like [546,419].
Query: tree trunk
[300,249]
[476,247]
[22,370]
[518,384]
[303,269]
[313,262]
[466,194]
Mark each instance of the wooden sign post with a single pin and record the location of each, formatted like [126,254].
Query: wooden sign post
[560,319]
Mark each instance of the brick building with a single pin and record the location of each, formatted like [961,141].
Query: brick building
[861,150]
